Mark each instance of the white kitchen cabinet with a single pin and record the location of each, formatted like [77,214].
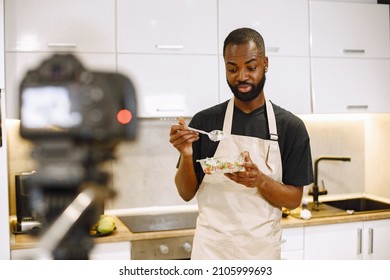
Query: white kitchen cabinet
[171,85]
[348,241]
[350,49]
[287,83]
[284,24]
[18,63]
[292,243]
[333,242]
[2,76]
[4,193]
[349,30]
[100,251]
[350,85]
[61,25]
[376,245]
[170,26]
[111,251]
[288,76]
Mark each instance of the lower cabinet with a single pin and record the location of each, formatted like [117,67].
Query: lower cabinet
[348,241]
[101,251]
[111,251]
[292,243]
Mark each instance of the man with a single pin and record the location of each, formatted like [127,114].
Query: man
[240,213]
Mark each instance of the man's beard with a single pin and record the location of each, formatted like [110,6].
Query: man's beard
[248,96]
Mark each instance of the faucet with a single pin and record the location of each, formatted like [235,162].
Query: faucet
[315,192]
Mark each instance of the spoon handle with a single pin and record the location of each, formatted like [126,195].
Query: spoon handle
[198,130]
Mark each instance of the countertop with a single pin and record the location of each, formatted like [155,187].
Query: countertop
[122,233]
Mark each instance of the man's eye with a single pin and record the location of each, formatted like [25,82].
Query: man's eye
[232,70]
[252,68]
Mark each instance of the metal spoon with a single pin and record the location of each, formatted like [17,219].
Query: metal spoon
[215,135]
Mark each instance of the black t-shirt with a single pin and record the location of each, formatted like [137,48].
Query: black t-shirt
[293,139]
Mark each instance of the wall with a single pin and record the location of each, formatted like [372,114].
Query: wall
[377,154]
[144,170]
[338,135]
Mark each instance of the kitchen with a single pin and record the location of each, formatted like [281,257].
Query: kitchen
[362,134]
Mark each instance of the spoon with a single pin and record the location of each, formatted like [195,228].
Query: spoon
[215,135]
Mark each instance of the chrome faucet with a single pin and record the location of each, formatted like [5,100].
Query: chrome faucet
[315,191]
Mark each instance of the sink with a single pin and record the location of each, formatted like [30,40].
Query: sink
[358,205]
[345,207]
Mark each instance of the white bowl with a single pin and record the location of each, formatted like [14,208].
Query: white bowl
[227,164]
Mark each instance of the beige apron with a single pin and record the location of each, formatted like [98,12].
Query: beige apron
[236,222]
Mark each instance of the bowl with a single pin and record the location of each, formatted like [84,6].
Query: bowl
[228,164]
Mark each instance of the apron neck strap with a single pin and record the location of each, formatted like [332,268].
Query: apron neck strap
[273,132]
[227,124]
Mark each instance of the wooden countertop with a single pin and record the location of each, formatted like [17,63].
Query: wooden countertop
[122,233]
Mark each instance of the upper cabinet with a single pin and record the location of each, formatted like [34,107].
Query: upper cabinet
[36,29]
[350,57]
[288,76]
[349,30]
[287,84]
[351,85]
[284,24]
[169,49]
[61,25]
[171,85]
[169,26]
[2,77]
[320,52]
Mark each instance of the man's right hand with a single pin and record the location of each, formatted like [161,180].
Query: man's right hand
[182,138]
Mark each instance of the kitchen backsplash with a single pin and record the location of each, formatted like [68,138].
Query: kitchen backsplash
[143,174]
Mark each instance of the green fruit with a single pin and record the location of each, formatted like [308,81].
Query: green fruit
[106,225]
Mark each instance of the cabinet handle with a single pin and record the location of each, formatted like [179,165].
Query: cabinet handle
[169,110]
[169,47]
[357,107]
[359,241]
[62,45]
[354,51]
[272,49]
[370,241]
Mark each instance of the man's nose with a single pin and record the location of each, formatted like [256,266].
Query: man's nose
[242,75]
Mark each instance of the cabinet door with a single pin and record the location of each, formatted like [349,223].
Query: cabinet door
[287,84]
[349,29]
[292,244]
[274,19]
[111,251]
[170,26]
[171,85]
[2,76]
[61,25]
[4,186]
[350,85]
[17,65]
[376,245]
[334,242]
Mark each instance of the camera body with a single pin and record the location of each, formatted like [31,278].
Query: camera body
[75,118]
[63,99]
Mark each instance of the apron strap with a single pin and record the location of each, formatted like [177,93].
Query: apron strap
[273,132]
[227,124]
